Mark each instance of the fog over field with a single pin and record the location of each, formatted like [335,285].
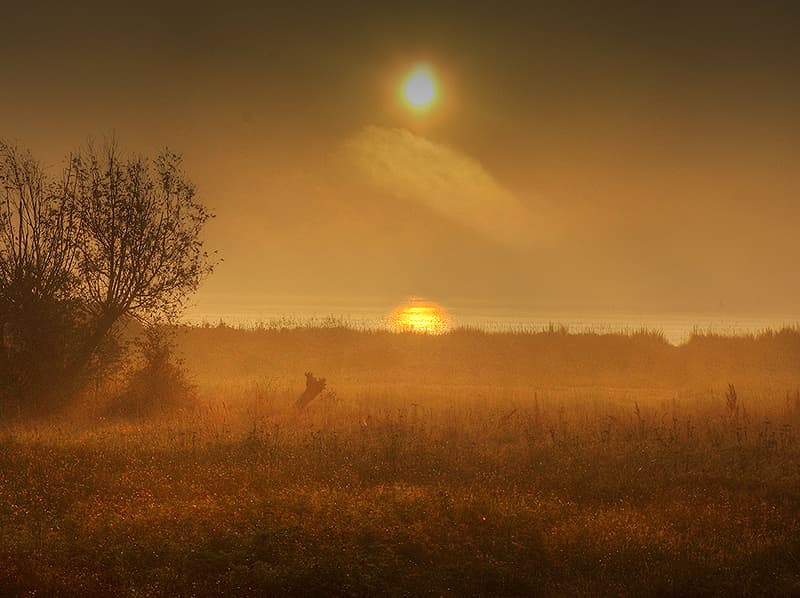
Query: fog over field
[405,299]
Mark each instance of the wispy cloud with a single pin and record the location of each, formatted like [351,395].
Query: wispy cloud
[410,167]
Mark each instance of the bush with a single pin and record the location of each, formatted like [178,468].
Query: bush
[157,382]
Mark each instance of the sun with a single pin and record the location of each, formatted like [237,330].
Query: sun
[420,316]
[419,89]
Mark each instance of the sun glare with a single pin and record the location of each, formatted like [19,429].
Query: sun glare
[418,315]
[419,88]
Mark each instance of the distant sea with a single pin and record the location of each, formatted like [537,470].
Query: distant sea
[675,326]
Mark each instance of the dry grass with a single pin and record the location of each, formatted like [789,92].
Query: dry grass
[426,471]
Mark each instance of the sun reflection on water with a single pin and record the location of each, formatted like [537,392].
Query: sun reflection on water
[419,315]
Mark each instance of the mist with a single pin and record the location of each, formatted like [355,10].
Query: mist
[573,163]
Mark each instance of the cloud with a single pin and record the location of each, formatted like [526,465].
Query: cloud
[412,168]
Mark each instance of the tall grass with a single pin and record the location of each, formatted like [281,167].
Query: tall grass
[514,464]
[552,357]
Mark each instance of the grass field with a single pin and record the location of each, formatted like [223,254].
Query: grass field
[464,464]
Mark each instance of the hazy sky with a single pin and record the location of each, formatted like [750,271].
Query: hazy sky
[616,156]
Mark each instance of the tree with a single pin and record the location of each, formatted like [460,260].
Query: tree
[38,283]
[113,237]
[140,251]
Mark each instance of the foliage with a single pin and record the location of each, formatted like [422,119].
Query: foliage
[113,238]
[158,383]
[38,282]
[140,249]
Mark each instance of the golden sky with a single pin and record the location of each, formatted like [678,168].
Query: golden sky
[583,157]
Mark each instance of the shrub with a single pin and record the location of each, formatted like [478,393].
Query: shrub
[157,382]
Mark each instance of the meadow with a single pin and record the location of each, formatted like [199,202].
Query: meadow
[515,464]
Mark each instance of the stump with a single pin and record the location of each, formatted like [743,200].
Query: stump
[314,386]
